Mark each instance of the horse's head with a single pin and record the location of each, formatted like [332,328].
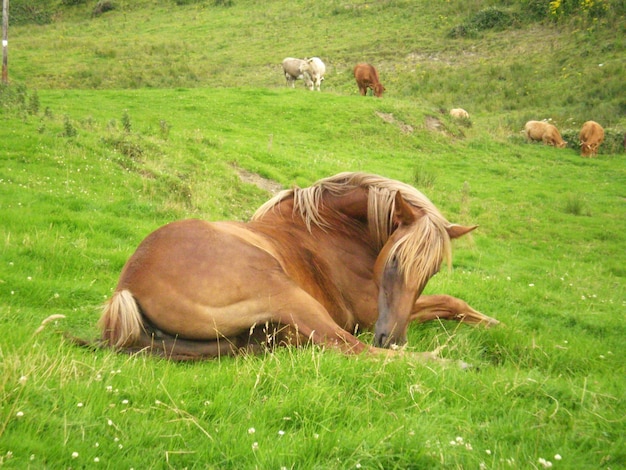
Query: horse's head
[410,257]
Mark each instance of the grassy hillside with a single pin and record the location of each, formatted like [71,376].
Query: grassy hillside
[570,71]
[180,104]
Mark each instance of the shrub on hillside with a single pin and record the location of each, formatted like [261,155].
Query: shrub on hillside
[13,98]
[535,10]
[102,7]
[488,18]
[556,10]
[30,12]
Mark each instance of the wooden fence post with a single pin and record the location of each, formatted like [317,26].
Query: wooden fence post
[5,41]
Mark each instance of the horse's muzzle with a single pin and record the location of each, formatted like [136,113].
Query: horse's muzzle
[382,340]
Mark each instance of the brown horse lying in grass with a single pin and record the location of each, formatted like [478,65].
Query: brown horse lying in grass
[352,252]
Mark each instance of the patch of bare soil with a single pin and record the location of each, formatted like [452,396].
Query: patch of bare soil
[388,117]
[257,180]
[434,124]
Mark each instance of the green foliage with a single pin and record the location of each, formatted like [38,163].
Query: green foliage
[30,12]
[587,8]
[126,124]
[33,103]
[583,12]
[102,7]
[535,10]
[575,205]
[13,97]
[491,18]
[68,127]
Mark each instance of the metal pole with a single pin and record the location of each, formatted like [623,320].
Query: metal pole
[5,41]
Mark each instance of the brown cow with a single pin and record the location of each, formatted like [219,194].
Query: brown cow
[544,132]
[366,77]
[591,136]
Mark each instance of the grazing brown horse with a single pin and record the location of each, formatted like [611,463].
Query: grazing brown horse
[350,253]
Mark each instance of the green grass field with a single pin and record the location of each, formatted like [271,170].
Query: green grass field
[117,124]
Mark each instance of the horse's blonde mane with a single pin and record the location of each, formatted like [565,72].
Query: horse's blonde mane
[419,252]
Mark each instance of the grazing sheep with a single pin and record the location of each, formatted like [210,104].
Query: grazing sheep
[543,132]
[295,69]
[459,113]
[316,69]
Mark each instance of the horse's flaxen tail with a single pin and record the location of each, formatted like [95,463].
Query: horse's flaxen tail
[125,329]
[121,321]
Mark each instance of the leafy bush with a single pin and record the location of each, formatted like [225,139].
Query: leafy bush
[488,18]
[30,12]
[556,10]
[535,10]
[492,18]
[102,7]
[69,130]
[13,98]
[566,8]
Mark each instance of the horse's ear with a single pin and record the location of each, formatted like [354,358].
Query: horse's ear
[456,231]
[403,213]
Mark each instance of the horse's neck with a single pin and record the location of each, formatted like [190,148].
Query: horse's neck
[339,217]
[328,262]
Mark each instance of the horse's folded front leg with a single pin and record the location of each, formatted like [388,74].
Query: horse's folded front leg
[309,322]
[445,307]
